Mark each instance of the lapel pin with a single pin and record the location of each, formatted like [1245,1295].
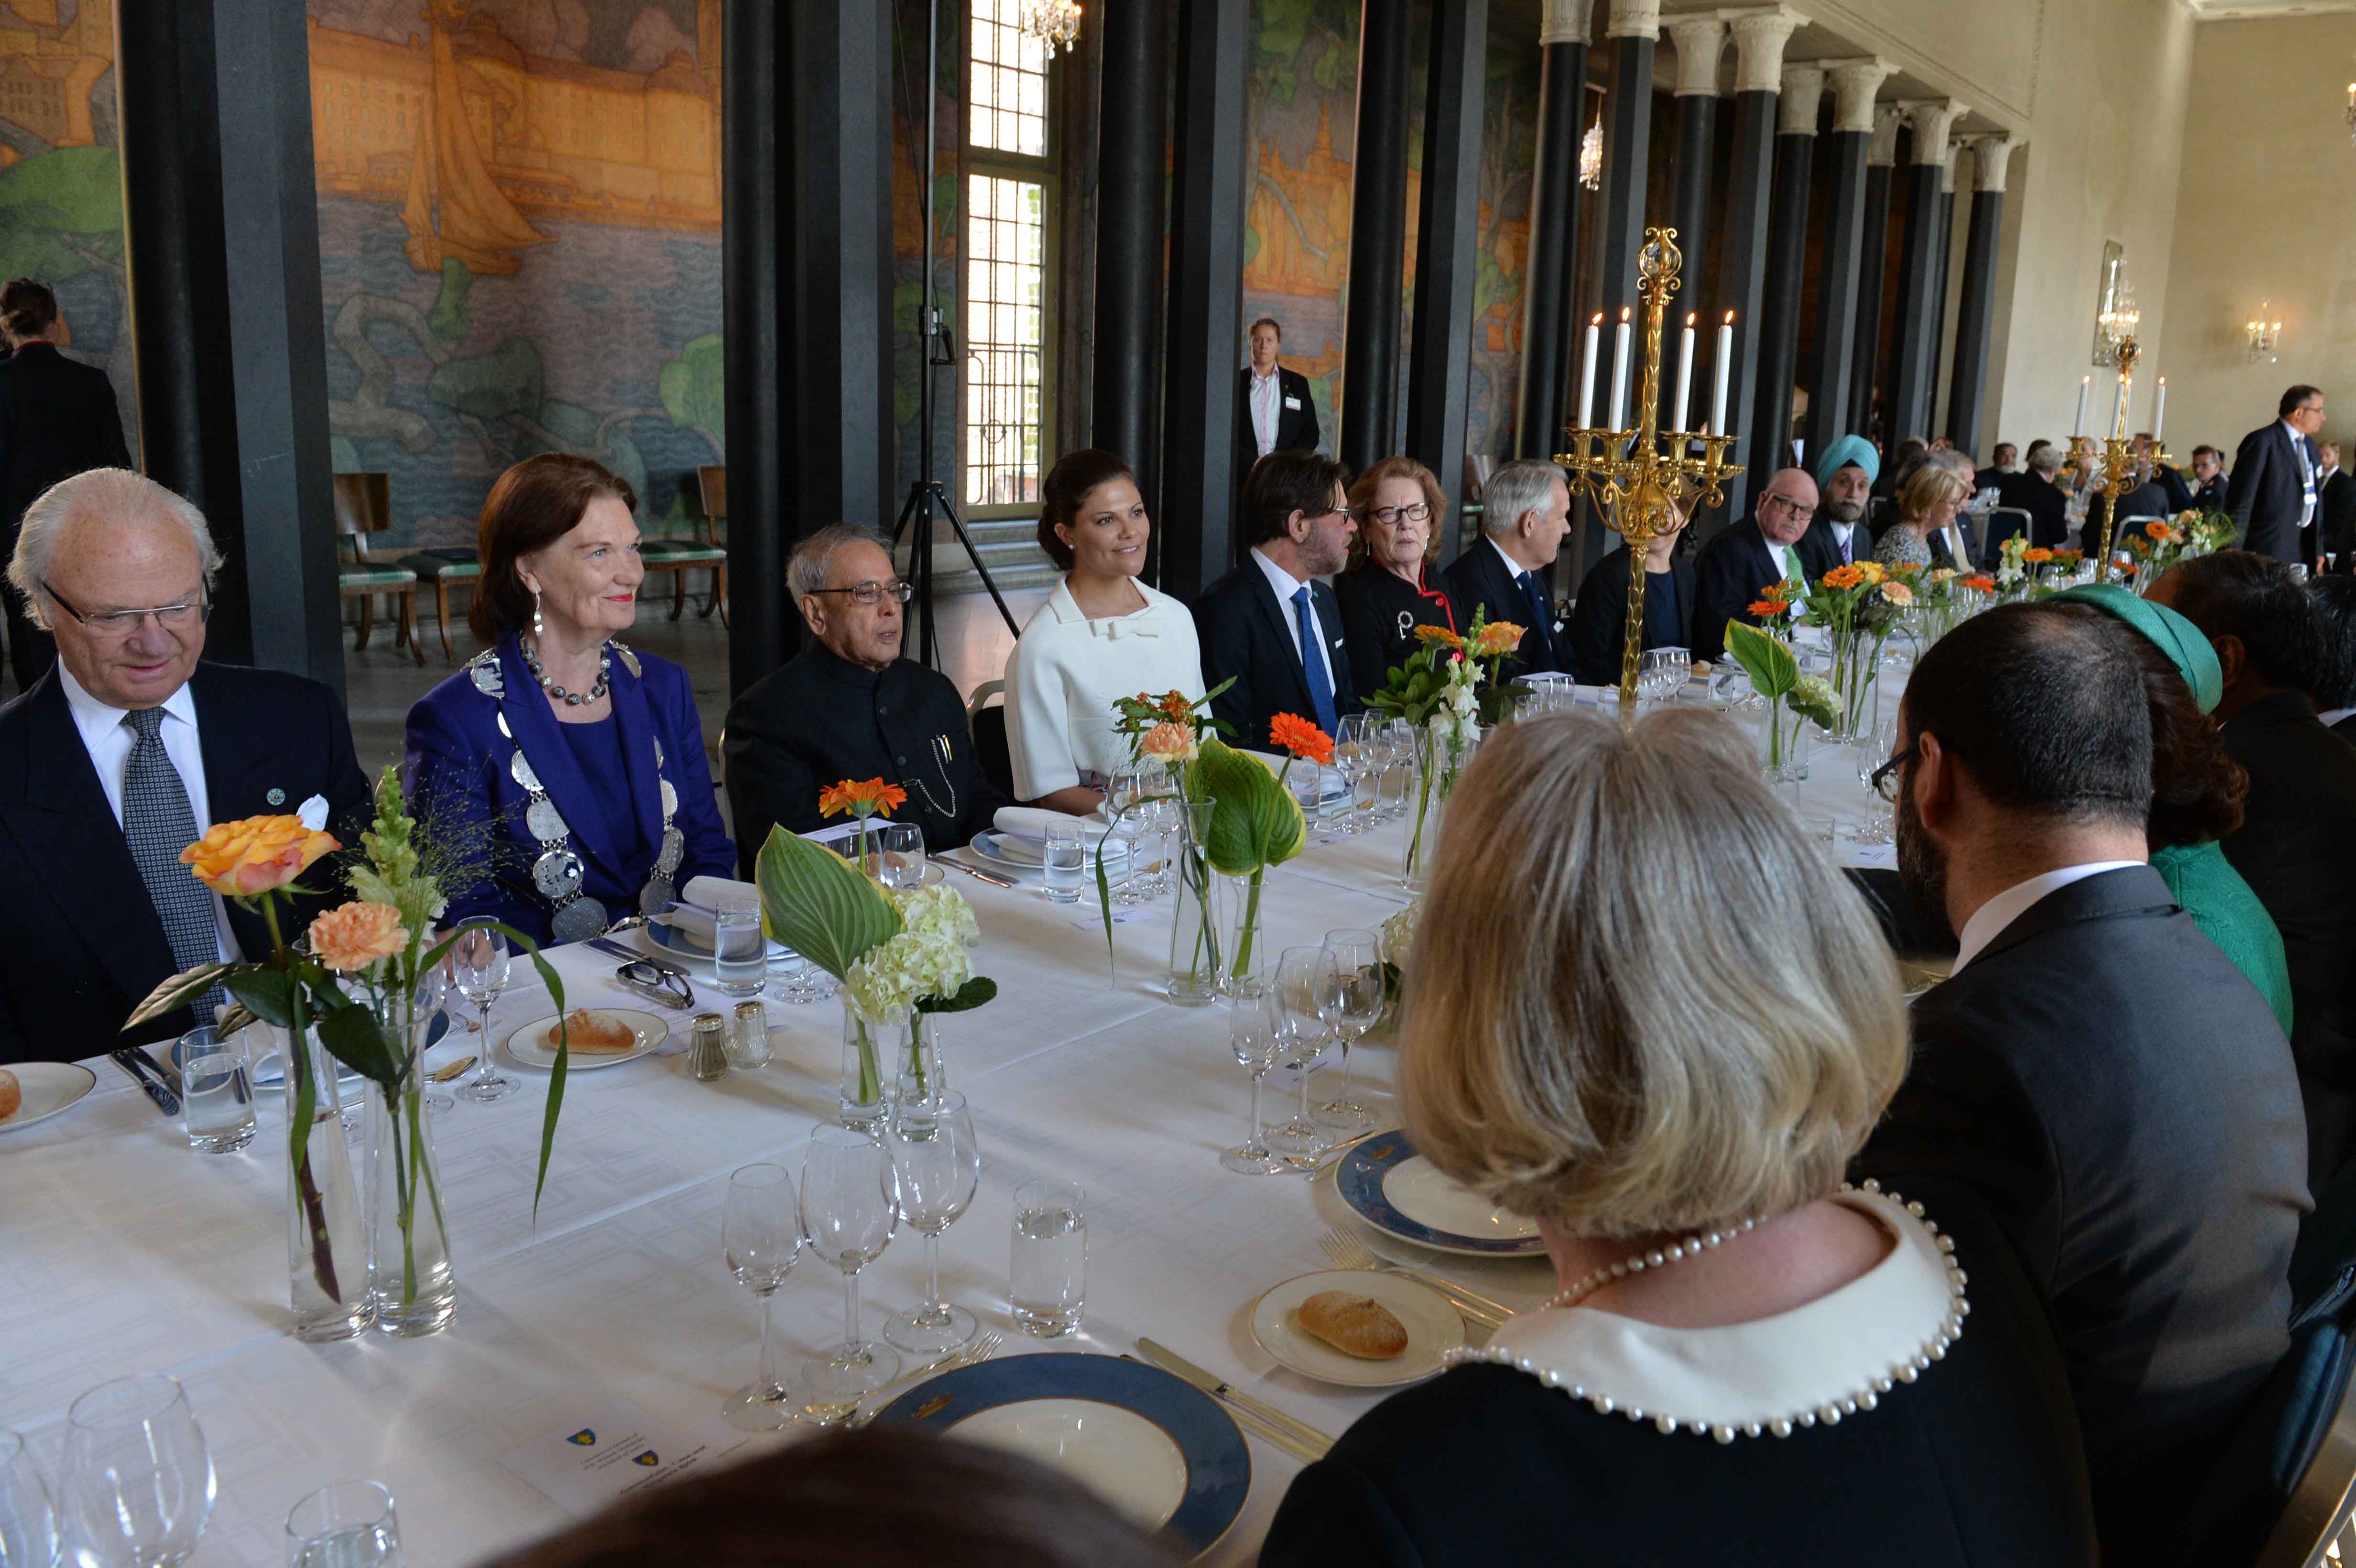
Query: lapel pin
[276,798]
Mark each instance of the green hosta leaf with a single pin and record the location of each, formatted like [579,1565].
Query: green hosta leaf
[178,992]
[820,905]
[972,994]
[1258,822]
[1768,660]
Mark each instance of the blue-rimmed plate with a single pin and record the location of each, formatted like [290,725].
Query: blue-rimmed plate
[674,943]
[1400,1193]
[1155,1448]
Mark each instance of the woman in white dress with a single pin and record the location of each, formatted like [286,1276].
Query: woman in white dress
[1102,635]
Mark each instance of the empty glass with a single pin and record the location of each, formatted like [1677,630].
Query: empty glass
[848,1212]
[1065,861]
[1048,1268]
[760,1235]
[1871,751]
[902,863]
[28,1520]
[1354,1002]
[1127,791]
[740,957]
[350,1524]
[1297,1008]
[1161,814]
[139,1484]
[938,1163]
[216,1090]
[1252,1037]
[479,964]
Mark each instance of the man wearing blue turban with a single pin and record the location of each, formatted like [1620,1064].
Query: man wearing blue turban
[1845,475]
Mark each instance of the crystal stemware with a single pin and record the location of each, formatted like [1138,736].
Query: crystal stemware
[479,964]
[760,1235]
[28,1520]
[1297,1005]
[848,1212]
[937,1162]
[1352,1001]
[1251,1035]
[139,1484]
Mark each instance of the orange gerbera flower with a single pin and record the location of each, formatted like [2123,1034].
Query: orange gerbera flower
[1981,581]
[2037,555]
[1292,733]
[1904,568]
[1848,576]
[1428,635]
[1766,608]
[872,798]
[2158,531]
[2069,557]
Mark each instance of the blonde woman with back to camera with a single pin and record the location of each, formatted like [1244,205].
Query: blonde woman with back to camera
[1744,1357]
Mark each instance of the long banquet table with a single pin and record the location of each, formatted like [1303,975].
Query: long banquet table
[123,1250]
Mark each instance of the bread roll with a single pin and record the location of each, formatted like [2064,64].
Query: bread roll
[11,1094]
[594,1032]
[1355,1324]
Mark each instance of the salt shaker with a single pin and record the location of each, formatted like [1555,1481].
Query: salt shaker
[748,1037]
[707,1057]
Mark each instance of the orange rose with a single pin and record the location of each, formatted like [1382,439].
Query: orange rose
[354,935]
[239,859]
[1292,733]
[1497,637]
[1170,742]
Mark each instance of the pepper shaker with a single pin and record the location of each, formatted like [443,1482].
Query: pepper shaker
[748,1038]
[707,1057]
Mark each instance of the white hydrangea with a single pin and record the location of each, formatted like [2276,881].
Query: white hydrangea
[938,911]
[1398,934]
[891,979]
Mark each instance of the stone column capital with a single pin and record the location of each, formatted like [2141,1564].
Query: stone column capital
[1566,22]
[1882,151]
[1991,158]
[1854,83]
[1803,94]
[1700,41]
[1934,118]
[1634,19]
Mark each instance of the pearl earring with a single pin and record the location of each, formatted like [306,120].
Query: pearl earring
[538,634]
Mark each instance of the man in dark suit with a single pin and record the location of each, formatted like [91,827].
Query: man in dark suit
[57,418]
[2094,1069]
[1525,517]
[2296,843]
[1269,624]
[2273,494]
[2333,690]
[125,753]
[2335,512]
[849,707]
[2171,483]
[2209,477]
[2144,498]
[2035,492]
[1746,559]
[1598,637]
[1274,411]
[1846,471]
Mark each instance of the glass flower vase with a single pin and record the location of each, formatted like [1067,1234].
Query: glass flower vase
[1785,740]
[869,1048]
[414,1287]
[1243,973]
[1443,748]
[326,1244]
[1193,927]
[922,1084]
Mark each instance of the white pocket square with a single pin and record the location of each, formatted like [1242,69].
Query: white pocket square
[314,813]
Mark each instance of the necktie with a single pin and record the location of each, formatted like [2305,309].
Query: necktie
[1541,612]
[158,824]
[1312,662]
[1846,541]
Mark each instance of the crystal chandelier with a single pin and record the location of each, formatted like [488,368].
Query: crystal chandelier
[1056,23]
[2119,322]
[1590,157]
[2263,335]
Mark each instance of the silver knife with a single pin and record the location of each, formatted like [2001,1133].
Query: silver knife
[976,872]
[632,955]
[152,1088]
[1169,1361]
[164,1070]
[1307,1454]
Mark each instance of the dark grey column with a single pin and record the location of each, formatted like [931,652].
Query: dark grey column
[756,263]
[1700,41]
[1206,267]
[1832,352]
[1539,411]
[1866,373]
[1919,304]
[1131,190]
[1370,330]
[1944,256]
[1634,32]
[1975,313]
[225,320]
[1447,227]
[1787,263]
[1759,40]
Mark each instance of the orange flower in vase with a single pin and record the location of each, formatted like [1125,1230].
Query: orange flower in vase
[350,937]
[1298,737]
[1497,637]
[2037,555]
[872,798]
[1979,582]
[256,855]
[1848,576]
[1428,636]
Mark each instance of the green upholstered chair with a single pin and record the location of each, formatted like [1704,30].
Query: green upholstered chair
[706,550]
[364,507]
[446,568]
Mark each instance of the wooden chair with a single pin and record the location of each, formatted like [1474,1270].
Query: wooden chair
[364,507]
[987,724]
[445,568]
[706,550]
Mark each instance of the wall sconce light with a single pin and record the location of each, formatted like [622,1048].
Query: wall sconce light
[1591,152]
[2263,335]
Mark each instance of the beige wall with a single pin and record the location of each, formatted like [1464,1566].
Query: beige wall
[2264,213]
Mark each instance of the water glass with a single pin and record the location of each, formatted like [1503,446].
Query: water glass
[1299,1009]
[850,1209]
[1251,1035]
[740,961]
[1355,993]
[479,964]
[216,1090]
[761,1236]
[1065,862]
[936,1161]
[902,863]
[139,1483]
[29,1520]
[1048,1271]
[350,1524]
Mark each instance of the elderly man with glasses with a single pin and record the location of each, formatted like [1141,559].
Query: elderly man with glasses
[849,706]
[1746,559]
[127,751]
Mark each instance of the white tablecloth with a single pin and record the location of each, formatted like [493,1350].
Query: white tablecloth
[123,1250]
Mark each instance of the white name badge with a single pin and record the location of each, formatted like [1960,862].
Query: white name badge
[1292,403]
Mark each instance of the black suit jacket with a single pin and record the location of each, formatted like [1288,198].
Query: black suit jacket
[2335,509]
[2297,848]
[1296,426]
[1480,579]
[2266,496]
[58,417]
[1598,620]
[818,719]
[1380,611]
[1244,633]
[2145,500]
[1734,569]
[81,943]
[1820,552]
[2048,509]
[2123,1100]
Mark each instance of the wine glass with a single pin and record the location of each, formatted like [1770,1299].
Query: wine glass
[849,1211]
[479,964]
[433,994]
[1124,792]
[139,1483]
[1354,1001]
[29,1520]
[901,864]
[1251,1034]
[760,1235]
[1158,815]
[1303,975]
[1350,759]
[938,1163]
[1872,751]
[1399,747]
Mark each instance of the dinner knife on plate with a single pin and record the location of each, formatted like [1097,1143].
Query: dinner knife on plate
[1301,1432]
[152,1086]
[976,872]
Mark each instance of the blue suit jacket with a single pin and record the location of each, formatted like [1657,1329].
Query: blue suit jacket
[459,780]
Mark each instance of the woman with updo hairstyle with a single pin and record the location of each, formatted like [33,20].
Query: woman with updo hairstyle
[1739,1349]
[1389,589]
[1101,635]
[579,759]
[1927,502]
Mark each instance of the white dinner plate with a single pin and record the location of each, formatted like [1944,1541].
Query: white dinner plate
[1433,1329]
[1425,1194]
[677,942]
[528,1046]
[1387,1183]
[1115,1453]
[1024,852]
[49,1087]
[991,849]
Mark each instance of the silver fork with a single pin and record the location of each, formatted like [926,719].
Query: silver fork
[982,1350]
[1346,1251]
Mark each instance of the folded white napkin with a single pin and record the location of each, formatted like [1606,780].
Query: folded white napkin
[1028,823]
[1022,832]
[699,899]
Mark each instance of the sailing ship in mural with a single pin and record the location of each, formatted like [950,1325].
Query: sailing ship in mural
[455,209]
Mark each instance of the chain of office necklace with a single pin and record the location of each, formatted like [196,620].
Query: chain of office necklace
[1660,1257]
[574,699]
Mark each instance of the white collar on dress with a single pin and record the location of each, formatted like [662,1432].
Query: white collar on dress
[1139,623]
[1831,1357]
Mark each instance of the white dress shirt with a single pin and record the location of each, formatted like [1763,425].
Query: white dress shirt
[1787,564]
[2311,482]
[1066,672]
[1842,534]
[1264,396]
[1284,585]
[1990,920]
[109,742]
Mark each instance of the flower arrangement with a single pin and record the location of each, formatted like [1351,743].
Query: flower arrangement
[862,801]
[1447,690]
[1169,729]
[1774,672]
[2011,571]
[1853,605]
[1773,605]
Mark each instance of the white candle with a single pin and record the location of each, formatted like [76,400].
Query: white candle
[1620,370]
[2160,411]
[1684,373]
[1725,363]
[2119,409]
[1587,376]
[2084,384]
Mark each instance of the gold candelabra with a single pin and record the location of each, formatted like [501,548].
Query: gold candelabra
[2117,459]
[1637,476]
